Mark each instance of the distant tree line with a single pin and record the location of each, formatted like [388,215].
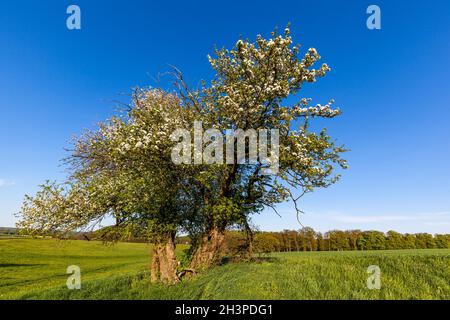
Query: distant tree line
[307,239]
[8,231]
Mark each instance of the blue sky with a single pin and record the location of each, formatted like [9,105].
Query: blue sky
[392,85]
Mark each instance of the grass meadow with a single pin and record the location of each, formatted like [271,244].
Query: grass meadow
[36,269]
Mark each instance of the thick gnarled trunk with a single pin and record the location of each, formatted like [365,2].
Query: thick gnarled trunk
[209,250]
[164,262]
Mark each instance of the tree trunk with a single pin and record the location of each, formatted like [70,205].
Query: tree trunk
[209,250]
[154,267]
[250,247]
[249,241]
[164,262]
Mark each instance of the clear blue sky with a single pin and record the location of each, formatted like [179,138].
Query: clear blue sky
[392,84]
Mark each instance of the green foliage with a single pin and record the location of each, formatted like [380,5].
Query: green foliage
[424,240]
[442,241]
[307,239]
[372,240]
[266,242]
[394,240]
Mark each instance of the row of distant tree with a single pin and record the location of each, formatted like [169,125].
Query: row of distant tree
[307,239]
[8,231]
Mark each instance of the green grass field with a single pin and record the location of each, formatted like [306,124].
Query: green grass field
[28,265]
[36,269]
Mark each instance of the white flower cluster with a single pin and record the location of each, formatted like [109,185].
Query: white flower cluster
[299,152]
[254,74]
[151,124]
[317,111]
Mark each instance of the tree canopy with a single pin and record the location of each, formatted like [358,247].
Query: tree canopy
[126,169]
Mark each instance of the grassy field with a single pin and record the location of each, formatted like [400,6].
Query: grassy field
[35,269]
[27,265]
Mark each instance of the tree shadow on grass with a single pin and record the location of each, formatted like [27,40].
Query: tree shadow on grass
[255,259]
[9,265]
